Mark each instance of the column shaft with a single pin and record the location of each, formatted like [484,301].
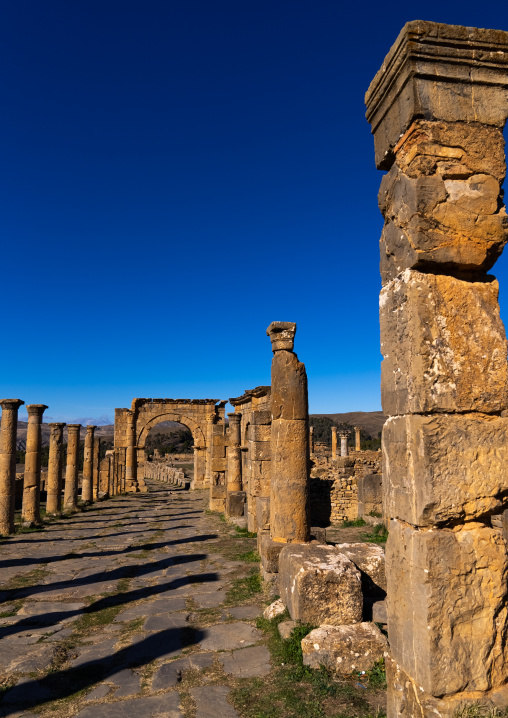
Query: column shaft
[8,433]
[334,442]
[71,473]
[55,467]
[87,489]
[32,483]
[96,467]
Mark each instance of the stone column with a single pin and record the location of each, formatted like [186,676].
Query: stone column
[96,467]
[334,442]
[344,449]
[358,445]
[30,513]
[311,439]
[131,484]
[55,466]
[71,473]
[210,420]
[235,497]
[8,433]
[289,488]
[87,488]
[437,109]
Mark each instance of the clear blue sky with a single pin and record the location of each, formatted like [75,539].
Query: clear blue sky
[175,176]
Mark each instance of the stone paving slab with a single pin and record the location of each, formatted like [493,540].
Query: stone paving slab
[165,706]
[228,636]
[212,702]
[170,674]
[247,662]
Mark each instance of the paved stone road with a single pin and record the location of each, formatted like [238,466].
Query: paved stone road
[123,611]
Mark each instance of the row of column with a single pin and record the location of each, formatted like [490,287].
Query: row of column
[30,513]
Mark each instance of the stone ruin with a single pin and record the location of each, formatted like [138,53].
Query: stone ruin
[437,108]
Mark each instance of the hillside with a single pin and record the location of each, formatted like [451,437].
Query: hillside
[371,421]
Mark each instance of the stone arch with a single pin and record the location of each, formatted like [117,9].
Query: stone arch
[194,427]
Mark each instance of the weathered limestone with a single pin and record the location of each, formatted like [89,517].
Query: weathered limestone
[30,513]
[131,484]
[334,442]
[370,495]
[344,448]
[344,649]
[96,467]
[311,439]
[55,467]
[289,488]
[320,585]
[8,432]
[358,444]
[71,473]
[437,109]
[87,488]
[234,462]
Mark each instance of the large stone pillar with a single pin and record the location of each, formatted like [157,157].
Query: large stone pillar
[311,439]
[96,467]
[344,449]
[358,443]
[31,514]
[289,487]
[131,484]
[8,433]
[334,442]
[71,473]
[55,466]
[210,421]
[437,109]
[87,488]
[235,497]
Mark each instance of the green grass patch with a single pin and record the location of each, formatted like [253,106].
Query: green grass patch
[248,557]
[245,533]
[354,523]
[93,619]
[32,578]
[376,514]
[379,534]
[377,675]
[244,588]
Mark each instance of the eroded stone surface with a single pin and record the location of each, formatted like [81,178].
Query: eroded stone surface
[344,649]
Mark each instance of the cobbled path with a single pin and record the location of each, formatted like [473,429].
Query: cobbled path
[123,611]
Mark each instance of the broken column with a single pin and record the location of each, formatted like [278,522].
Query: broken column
[334,442]
[358,445]
[344,449]
[55,466]
[71,473]
[235,497]
[30,513]
[8,433]
[96,469]
[437,109]
[87,488]
[289,487]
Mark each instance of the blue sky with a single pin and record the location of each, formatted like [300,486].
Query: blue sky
[177,175]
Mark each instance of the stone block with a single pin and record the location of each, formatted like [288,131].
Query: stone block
[260,450]
[277,608]
[440,338]
[219,463]
[379,612]
[270,551]
[289,387]
[319,585]
[444,467]
[217,498]
[370,494]
[286,628]
[318,533]
[263,513]
[260,417]
[447,595]
[260,470]
[235,503]
[368,558]
[344,649]
[259,432]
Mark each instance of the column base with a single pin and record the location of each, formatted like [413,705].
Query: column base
[218,498]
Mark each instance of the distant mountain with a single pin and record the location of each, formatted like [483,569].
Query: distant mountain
[371,421]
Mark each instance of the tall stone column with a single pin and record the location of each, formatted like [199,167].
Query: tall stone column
[210,421]
[311,439]
[30,513]
[437,109]
[55,466]
[358,443]
[96,467]
[87,488]
[71,473]
[235,497]
[289,488]
[334,442]
[344,449]
[131,483]
[8,433]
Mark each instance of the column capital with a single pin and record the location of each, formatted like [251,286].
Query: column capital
[36,409]
[11,403]
[282,335]
[75,427]
[334,429]
[235,418]
[90,428]
[56,425]
[344,434]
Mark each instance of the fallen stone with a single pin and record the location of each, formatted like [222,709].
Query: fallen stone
[274,609]
[211,702]
[286,628]
[344,649]
[379,614]
[228,636]
[247,662]
[369,558]
[319,585]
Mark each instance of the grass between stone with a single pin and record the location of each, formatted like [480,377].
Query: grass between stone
[379,534]
[244,588]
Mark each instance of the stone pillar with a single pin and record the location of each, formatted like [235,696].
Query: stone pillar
[8,433]
[344,449]
[437,109]
[96,467]
[210,420]
[311,439]
[87,488]
[31,514]
[55,467]
[289,487]
[358,444]
[199,480]
[334,442]
[235,497]
[71,473]
[131,484]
